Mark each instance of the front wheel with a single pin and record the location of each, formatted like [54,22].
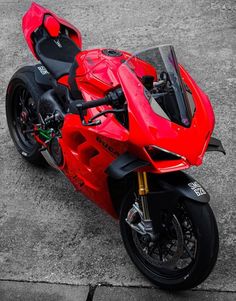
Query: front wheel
[185,250]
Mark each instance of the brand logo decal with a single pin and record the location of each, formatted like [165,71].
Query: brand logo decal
[107,146]
[43,70]
[197,188]
[58,43]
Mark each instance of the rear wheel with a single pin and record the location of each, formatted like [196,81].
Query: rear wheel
[23,94]
[184,251]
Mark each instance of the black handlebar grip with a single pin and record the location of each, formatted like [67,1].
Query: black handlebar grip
[95,103]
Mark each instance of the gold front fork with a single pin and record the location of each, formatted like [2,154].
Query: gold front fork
[143,191]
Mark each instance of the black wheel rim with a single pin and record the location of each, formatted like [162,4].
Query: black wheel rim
[163,259]
[23,117]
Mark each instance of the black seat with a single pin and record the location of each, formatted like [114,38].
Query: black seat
[57,54]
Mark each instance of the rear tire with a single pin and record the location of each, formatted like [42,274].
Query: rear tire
[205,255]
[23,88]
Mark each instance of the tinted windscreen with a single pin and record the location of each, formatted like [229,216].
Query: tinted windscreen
[165,91]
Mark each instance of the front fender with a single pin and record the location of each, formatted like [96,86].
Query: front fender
[165,190]
[180,184]
[168,189]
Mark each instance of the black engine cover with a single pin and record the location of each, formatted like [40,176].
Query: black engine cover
[49,103]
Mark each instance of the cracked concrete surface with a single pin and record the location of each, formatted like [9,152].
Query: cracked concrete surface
[50,233]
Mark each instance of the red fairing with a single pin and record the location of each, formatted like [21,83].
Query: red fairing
[89,150]
[97,73]
[86,156]
[34,18]
[147,128]
[84,148]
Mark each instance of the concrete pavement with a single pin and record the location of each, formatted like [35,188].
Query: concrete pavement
[26,291]
[31,291]
[49,233]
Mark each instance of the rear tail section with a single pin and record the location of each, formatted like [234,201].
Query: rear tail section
[38,19]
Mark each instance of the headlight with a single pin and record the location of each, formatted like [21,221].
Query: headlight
[160,154]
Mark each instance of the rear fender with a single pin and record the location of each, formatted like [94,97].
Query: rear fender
[42,76]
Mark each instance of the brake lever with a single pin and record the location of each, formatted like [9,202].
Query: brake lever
[93,123]
[83,121]
[113,111]
[113,98]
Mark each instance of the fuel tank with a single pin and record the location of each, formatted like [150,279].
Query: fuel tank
[96,70]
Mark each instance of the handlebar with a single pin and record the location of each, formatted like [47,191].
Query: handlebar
[94,103]
[114,98]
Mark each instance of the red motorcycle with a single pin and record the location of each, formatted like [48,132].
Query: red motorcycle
[121,127]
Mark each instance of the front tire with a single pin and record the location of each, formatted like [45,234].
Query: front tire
[179,273]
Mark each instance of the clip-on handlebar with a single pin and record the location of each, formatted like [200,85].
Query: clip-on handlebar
[114,98]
